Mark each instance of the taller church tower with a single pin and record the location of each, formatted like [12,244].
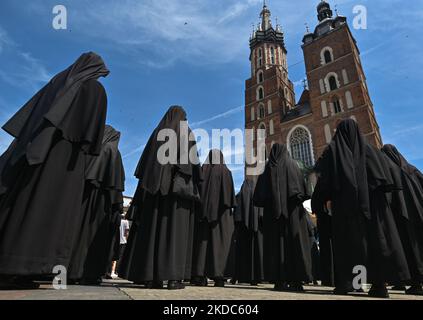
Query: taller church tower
[336,79]
[269,93]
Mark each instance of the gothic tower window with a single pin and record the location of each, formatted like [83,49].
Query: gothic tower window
[260,93]
[260,77]
[272,55]
[260,58]
[336,105]
[262,134]
[300,146]
[328,56]
[261,112]
[332,83]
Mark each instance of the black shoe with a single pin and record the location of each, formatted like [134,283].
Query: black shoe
[281,286]
[339,291]
[233,281]
[254,283]
[153,284]
[219,283]
[296,287]
[18,283]
[175,285]
[378,292]
[415,290]
[200,282]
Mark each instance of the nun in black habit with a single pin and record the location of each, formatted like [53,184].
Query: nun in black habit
[43,172]
[281,191]
[356,177]
[407,205]
[321,208]
[215,225]
[102,206]
[249,240]
[159,245]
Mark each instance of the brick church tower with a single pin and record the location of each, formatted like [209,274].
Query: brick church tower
[337,87]
[269,92]
[336,79]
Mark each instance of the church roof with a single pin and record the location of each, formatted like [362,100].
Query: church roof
[301,109]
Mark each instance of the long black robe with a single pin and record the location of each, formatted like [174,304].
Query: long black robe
[281,190]
[324,229]
[160,239]
[215,226]
[249,242]
[102,206]
[356,177]
[407,205]
[43,174]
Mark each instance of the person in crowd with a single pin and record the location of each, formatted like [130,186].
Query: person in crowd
[407,204]
[42,174]
[123,239]
[215,225]
[355,177]
[249,229]
[281,191]
[102,206]
[160,241]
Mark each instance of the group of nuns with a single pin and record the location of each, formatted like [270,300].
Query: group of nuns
[61,185]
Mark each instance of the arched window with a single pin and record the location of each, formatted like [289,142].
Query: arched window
[262,134]
[261,111]
[260,93]
[336,105]
[272,55]
[260,58]
[332,83]
[300,146]
[260,77]
[328,56]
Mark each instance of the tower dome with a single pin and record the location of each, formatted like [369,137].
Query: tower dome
[324,11]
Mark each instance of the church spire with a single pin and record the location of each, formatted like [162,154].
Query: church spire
[265,17]
[324,11]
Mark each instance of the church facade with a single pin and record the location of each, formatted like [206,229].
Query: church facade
[336,90]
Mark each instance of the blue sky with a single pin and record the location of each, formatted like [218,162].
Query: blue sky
[195,53]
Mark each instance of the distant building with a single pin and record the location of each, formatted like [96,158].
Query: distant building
[336,89]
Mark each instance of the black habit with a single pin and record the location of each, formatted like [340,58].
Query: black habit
[101,207]
[215,225]
[160,239]
[407,205]
[324,229]
[356,177]
[249,239]
[281,191]
[43,172]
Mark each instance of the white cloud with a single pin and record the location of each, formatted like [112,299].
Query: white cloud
[162,32]
[4,40]
[23,70]
[218,116]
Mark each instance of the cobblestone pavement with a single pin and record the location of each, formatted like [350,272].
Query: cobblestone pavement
[122,290]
